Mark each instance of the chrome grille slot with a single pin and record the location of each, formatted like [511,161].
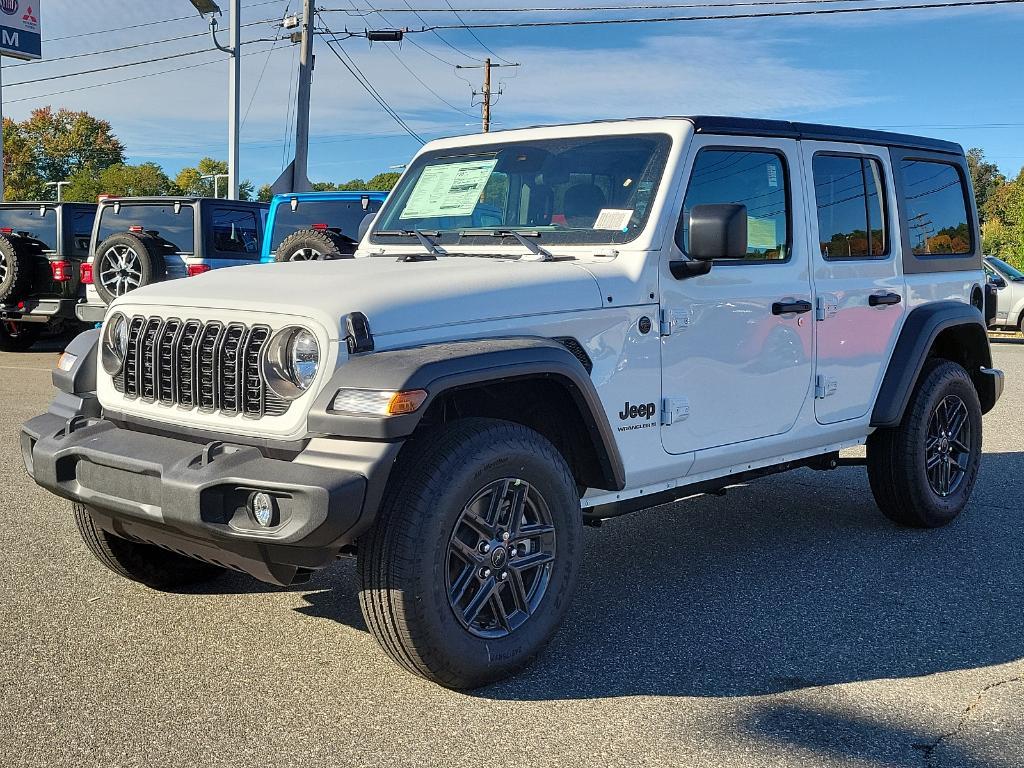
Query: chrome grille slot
[230,347]
[209,382]
[166,355]
[191,364]
[131,357]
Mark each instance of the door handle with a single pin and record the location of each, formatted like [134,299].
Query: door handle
[884,299]
[791,307]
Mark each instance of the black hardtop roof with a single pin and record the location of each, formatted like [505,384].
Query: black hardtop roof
[818,132]
[754,126]
[159,199]
[37,203]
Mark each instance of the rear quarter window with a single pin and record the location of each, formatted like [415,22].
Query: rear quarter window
[935,207]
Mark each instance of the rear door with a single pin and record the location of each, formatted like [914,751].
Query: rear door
[858,280]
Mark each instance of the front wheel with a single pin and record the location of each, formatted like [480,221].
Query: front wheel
[923,471]
[474,559]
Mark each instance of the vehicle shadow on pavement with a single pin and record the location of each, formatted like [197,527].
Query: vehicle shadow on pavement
[794,582]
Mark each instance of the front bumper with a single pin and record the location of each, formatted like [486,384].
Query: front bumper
[39,310]
[192,498]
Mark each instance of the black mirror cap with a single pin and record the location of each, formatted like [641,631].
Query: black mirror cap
[997,281]
[718,231]
[364,225]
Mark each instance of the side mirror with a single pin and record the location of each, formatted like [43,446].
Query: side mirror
[997,281]
[364,225]
[718,232]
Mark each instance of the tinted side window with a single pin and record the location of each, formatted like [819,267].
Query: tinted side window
[235,232]
[936,209]
[851,216]
[175,228]
[79,231]
[754,178]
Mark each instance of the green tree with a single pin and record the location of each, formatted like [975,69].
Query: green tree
[21,175]
[191,182]
[986,178]
[383,182]
[264,193]
[120,180]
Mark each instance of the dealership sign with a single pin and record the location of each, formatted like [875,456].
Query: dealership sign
[19,29]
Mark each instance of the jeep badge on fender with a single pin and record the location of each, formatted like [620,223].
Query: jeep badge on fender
[443,404]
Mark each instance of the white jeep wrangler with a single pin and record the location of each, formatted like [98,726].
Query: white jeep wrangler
[542,328]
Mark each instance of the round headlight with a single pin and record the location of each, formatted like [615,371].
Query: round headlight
[292,361]
[115,343]
[303,358]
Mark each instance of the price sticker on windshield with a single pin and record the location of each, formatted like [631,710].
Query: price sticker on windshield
[452,189]
[616,219]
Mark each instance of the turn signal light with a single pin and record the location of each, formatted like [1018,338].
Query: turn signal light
[375,402]
[197,269]
[61,271]
[85,274]
[320,227]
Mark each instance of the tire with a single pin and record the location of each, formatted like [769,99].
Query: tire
[314,245]
[410,564]
[15,271]
[18,337]
[898,457]
[145,563]
[125,262]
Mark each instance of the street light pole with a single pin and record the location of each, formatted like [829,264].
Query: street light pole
[60,188]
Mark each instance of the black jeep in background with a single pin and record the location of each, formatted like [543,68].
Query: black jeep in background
[42,248]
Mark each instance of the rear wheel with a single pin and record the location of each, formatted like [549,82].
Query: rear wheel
[314,245]
[474,559]
[18,337]
[923,471]
[125,262]
[15,271]
[145,563]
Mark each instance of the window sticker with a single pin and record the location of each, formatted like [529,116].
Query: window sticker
[761,234]
[616,219]
[452,189]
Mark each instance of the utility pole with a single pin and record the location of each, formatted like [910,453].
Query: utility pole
[295,177]
[487,93]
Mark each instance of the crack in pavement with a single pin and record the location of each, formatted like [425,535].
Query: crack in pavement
[928,750]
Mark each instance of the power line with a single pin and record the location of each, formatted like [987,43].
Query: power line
[122,80]
[259,80]
[110,67]
[594,8]
[354,70]
[713,17]
[438,36]
[121,48]
[474,34]
[141,25]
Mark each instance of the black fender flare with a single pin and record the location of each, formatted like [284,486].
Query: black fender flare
[922,328]
[446,366]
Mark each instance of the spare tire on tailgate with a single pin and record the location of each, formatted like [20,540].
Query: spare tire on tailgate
[15,270]
[125,262]
[314,245]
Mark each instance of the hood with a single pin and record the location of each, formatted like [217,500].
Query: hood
[395,296]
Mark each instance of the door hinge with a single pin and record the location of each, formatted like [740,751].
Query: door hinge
[674,409]
[825,307]
[825,386]
[671,319]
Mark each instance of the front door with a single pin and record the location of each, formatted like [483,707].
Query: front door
[857,275]
[736,343]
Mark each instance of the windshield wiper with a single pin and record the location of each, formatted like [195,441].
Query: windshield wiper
[424,237]
[532,247]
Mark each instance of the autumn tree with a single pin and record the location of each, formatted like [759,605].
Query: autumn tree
[120,180]
[191,182]
[985,177]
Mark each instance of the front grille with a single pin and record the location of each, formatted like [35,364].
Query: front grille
[191,364]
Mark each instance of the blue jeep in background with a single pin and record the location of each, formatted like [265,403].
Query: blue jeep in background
[304,226]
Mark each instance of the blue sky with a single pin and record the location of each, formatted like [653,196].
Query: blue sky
[951,73]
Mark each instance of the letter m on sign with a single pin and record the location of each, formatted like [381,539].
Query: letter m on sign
[9,38]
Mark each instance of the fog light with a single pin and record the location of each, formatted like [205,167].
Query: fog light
[262,507]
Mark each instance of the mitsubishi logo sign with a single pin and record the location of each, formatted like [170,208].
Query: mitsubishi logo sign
[20,33]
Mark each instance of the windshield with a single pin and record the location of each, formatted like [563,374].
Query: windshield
[176,228]
[1008,270]
[344,215]
[574,191]
[41,227]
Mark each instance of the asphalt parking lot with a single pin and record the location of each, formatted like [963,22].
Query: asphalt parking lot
[785,624]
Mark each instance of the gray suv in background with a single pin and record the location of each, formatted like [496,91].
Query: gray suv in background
[1008,282]
[142,240]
